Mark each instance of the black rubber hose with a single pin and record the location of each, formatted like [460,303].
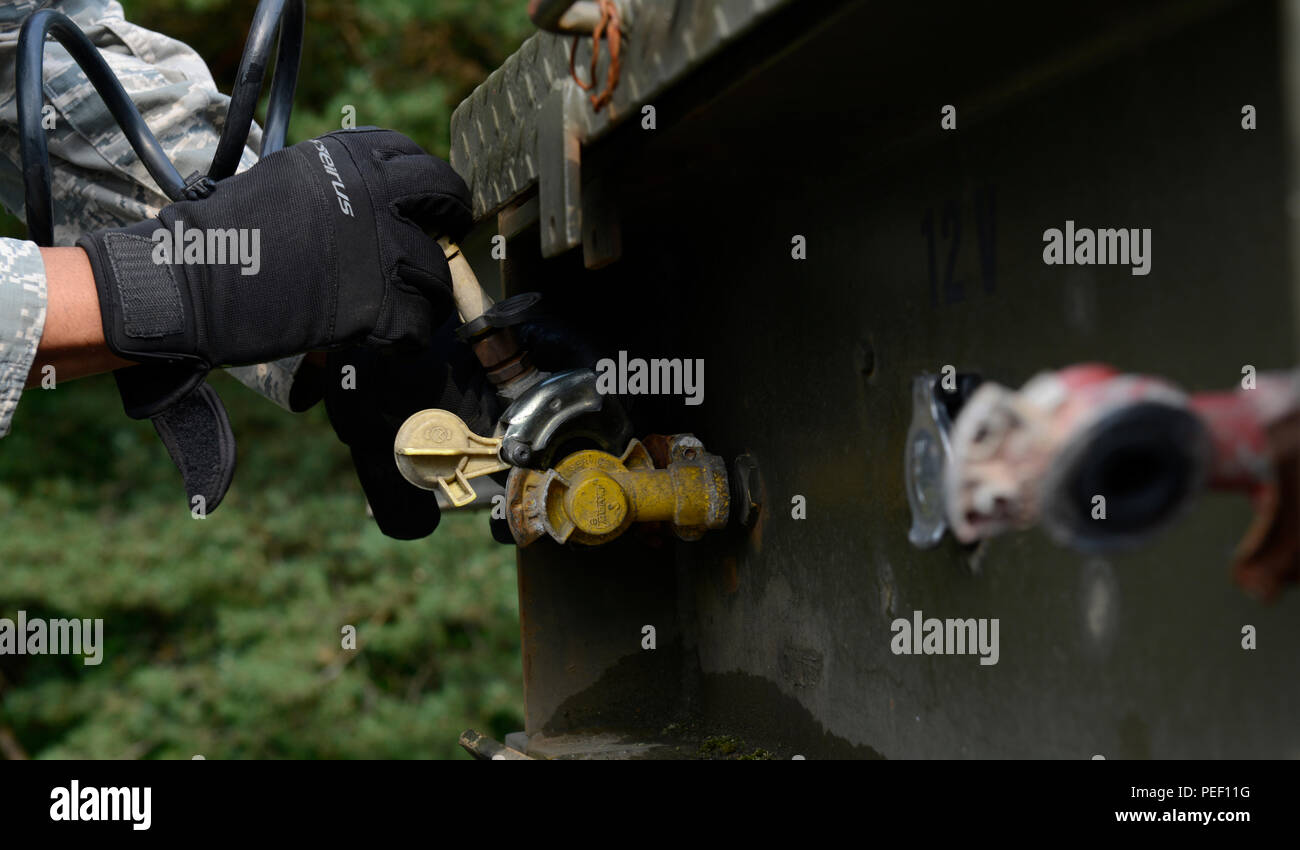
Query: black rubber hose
[289,17]
[32,141]
[285,81]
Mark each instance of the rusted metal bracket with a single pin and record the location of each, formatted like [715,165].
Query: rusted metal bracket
[559,169]
[484,748]
[571,213]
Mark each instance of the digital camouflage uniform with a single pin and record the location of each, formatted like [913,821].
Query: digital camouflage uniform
[98,180]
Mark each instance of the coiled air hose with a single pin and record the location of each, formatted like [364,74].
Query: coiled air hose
[287,16]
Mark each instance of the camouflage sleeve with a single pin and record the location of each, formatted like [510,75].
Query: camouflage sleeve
[273,380]
[98,180]
[22,317]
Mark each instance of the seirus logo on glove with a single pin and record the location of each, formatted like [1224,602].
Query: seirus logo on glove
[345,203]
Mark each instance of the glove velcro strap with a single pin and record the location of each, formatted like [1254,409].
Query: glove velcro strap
[146,307]
[150,388]
[147,318]
[196,432]
[148,295]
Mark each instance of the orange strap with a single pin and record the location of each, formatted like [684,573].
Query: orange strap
[607,29]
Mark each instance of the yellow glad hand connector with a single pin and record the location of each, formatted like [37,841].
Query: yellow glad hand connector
[436,449]
[591,497]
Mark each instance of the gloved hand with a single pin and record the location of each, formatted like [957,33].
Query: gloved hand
[336,255]
[368,404]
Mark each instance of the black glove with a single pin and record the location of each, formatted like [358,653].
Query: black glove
[341,258]
[386,388]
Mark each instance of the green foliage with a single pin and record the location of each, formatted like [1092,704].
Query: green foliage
[223,635]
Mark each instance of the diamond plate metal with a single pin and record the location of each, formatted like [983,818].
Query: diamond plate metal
[494,131]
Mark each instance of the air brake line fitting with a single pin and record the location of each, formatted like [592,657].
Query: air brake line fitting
[1102,460]
[592,497]
[493,339]
[488,327]
[1069,448]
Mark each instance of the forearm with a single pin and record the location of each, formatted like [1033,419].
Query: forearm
[73,339]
